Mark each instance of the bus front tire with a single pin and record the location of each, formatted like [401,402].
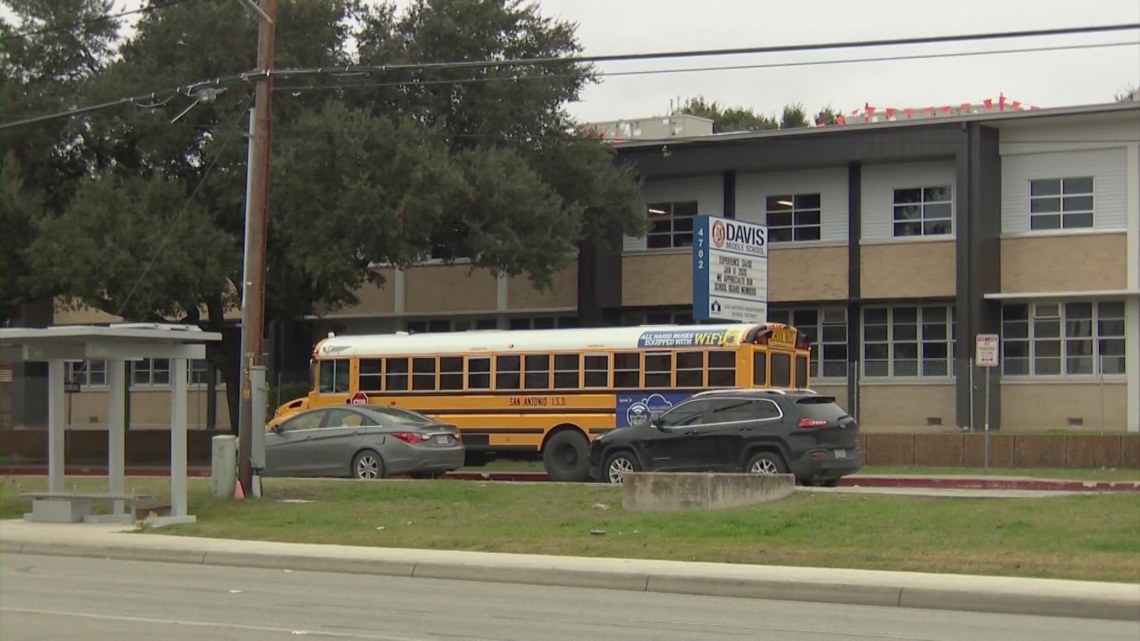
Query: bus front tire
[566,457]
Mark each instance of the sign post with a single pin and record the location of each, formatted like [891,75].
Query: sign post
[730,270]
[986,350]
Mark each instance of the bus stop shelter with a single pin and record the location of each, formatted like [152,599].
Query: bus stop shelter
[116,344]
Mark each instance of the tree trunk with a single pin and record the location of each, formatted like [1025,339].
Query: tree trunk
[226,355]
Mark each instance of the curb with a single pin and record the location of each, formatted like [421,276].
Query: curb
[857,480]
[1036,597]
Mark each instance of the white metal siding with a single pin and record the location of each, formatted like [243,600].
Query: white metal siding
[879,183]
[752,190]
[1106,166]
[708,191]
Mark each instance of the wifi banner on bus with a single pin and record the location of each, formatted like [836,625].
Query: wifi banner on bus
[730,270]
[689,338]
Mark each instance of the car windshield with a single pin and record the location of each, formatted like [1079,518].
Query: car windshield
[396,415]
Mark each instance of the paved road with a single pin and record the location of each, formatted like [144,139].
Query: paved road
[91,599]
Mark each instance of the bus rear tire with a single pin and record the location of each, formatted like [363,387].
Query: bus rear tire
[566,456]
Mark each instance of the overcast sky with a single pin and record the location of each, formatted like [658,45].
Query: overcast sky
[1045,79]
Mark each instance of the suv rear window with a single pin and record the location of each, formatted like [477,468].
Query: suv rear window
[823,407]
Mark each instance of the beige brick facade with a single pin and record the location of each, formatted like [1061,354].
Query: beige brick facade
[438,289]
[657,279]
[563,293]
[807,273]
[1084,262]
[1043,405]
[886,406]
[908,270]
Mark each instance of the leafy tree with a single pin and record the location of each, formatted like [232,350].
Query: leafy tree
[826,116]
[383,167]
[45,64]
[727,118]
[1130,94]
[793,116]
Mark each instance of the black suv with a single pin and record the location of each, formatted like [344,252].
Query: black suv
[765,431]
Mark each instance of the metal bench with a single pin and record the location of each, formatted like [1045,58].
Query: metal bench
[75,507]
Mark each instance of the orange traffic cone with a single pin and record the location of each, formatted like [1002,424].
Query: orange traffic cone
[238,492]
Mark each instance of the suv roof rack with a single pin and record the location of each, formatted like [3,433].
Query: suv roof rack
[783,391]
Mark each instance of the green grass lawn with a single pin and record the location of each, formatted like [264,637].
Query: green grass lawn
[1093,537]
[1083,475]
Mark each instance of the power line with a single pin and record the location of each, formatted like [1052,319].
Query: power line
[704,53]
[87,21]
[364,70]
[674,70]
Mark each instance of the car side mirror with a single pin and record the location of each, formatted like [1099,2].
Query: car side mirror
[655,421]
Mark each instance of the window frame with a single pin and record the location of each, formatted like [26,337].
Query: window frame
[1061,196]
[1034,328]
[823,336]
[669,214]
[917,339]
[794,205]
[923,219]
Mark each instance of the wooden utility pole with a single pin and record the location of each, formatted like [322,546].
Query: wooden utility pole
[257,213]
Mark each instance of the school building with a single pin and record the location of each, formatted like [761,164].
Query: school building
[893,241]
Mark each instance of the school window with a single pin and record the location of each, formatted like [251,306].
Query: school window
[670,224]
[333,377]
[826,328]
[566,371]
[451,373]
[923,211]
[596,370]
[690,369]
[908,341]
[91,373]
[537,371]
[1061,203]
[396,377]
[371,375]
[479,372]
[793,218]
[627,370]
[423,374]
[658,317]
[152,372]
[1063,339]
[508,371]
[722,368]
[449,325]
[658,369]
[543,322]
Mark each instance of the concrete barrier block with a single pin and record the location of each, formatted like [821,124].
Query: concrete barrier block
[668,491]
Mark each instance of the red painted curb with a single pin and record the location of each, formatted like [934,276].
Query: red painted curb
[925,482]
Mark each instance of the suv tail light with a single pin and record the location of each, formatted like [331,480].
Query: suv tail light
[411,437]
[812,422]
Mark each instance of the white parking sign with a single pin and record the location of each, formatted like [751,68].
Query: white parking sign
[986,350]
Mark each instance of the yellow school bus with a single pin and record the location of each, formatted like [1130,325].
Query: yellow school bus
[531,393]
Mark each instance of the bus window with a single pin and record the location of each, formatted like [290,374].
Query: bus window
[801,372]
[451,373]
[507,370]
[596,370]
[423,374]
[658,369]
[627,370]
[566,371]
[760,369]
[371,378]
[722,368]
[333,377]
[781,370]
[478,372]
[690,369]
[396,379]
[537,374]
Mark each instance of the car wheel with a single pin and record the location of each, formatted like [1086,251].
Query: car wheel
[566,457]
[617,465]
[766,463]
[367,465]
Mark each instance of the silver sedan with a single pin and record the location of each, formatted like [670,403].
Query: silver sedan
[362,441]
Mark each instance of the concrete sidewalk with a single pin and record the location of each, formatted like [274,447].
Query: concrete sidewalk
[1082,599]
